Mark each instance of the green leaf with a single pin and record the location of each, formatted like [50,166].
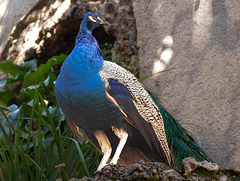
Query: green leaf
[30,66]
[81,155]
[11,113]
[9,67]
[34,78]
[2,83]
[7,97]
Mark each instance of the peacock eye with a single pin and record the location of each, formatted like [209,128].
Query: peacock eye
[93,18]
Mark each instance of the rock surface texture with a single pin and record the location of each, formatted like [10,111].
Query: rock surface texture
[10,14]
[190,170]
[47,30]
[202,40]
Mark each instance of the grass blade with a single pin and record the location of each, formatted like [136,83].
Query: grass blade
[81,156]
[141,79]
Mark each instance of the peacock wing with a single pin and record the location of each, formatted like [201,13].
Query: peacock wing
[138,109]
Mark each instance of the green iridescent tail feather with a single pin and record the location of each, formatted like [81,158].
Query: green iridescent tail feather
[181,144]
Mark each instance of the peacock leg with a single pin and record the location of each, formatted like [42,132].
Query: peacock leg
[105,147]
[122,135]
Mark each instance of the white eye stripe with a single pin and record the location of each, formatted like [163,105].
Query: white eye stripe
[99,18]
[91,18]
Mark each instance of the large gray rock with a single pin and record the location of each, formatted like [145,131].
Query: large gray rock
[202,40]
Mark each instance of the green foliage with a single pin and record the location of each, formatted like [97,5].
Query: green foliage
[130,64]
[106,51]
[35,141]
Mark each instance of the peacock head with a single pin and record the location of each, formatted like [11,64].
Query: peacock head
[92,21]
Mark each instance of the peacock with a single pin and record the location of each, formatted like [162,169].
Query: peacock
[113,110]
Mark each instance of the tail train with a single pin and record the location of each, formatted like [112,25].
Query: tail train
[181,144]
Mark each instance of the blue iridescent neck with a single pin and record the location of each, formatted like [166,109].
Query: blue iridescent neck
[84,28]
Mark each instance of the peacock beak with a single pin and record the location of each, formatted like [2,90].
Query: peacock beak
[104,22]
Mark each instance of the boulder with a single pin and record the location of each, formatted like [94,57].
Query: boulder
[201,39]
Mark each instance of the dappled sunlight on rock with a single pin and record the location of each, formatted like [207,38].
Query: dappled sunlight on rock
[165,55]
[3,12]
[168,41]
[61,9]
